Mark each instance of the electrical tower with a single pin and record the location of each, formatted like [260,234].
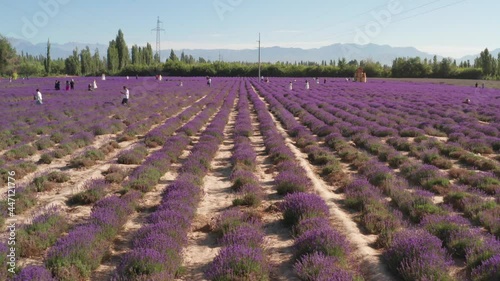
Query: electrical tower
[158,30]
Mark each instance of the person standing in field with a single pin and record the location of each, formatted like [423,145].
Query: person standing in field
[126,95]
[307,85]
[67,85]
[95,84]
[290,86]
[209,82]
[72,84]
[38,97]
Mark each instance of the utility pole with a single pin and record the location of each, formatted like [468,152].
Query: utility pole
[158,30]
[259,55]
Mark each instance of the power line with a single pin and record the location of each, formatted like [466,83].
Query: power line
[353,31]
[430,11]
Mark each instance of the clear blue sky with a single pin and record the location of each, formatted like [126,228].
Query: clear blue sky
[446,27]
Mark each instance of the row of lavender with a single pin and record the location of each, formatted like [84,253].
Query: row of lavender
[75,262]
[360,195]
[240,234]
[481,209]
[321,252]
[156,253]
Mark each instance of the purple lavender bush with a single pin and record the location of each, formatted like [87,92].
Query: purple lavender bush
[249,195]
[323,240]
[247,235]
[299,206]
[310,224]
[145,264]
[233,219]
[34,273]
[417,255]
[488,270]
[32,239]
[93,191]
[291,182]
[443,226]
[238,262]
[481,249]
[4,251]
[320,267]
[242,177]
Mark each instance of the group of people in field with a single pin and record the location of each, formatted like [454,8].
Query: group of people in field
[307,85]
[69,85]
[125,93]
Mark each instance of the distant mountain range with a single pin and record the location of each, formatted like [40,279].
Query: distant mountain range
[381,53]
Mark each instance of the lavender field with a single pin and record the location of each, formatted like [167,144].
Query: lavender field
[247,180]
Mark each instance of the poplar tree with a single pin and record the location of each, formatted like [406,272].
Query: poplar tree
[123,55]
[47,59]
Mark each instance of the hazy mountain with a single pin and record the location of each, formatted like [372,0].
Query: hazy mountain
[382,53]
[56,50]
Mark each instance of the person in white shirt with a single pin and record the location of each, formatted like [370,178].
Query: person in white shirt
[38,97]
[126,95]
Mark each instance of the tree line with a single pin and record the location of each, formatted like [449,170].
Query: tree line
[120,60]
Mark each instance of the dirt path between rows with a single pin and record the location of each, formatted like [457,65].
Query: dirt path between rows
[371,262]
[151,200]
[122,242]
[279,241]
[217,196]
